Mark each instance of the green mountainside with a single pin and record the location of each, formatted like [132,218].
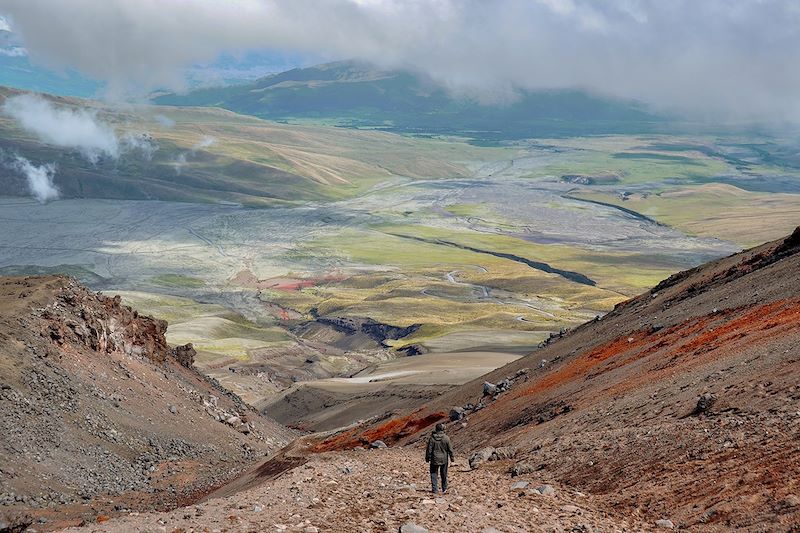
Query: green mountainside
[356,95]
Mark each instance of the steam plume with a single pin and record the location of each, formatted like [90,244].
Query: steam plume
[40,178]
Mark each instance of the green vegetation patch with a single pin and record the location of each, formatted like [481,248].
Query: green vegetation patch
[178,280]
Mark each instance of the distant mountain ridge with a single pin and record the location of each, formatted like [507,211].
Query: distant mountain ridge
[358,95]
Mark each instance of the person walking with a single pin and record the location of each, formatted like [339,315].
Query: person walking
[439,453]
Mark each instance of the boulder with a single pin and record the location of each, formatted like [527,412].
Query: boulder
[520,469]
[489,389]
[665,524]
[503,452]
[185,354]
[378,444]
[704,403]
[480,456]
[519,485]
[411,527]
[546,490]
[456,413]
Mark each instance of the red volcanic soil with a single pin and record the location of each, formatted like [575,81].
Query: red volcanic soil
[611,409]
[246,278]
[390,432]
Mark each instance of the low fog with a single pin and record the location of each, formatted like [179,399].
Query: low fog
[65,127]
[39,177]
[711,59]
[75,128]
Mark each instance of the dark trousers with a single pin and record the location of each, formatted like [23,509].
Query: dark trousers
[436,471]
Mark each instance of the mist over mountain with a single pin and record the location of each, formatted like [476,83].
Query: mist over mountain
[356,94]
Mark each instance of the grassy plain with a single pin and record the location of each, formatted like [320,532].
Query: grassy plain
[404,230]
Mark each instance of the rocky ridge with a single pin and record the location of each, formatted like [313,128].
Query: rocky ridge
[98,413]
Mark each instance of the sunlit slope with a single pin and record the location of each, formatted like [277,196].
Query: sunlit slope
[212,155]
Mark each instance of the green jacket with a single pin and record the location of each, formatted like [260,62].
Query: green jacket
[439,449]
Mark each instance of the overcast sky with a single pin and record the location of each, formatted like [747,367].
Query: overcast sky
[729,59]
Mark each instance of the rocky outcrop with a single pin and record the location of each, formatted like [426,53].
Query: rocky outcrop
[94,403]
[375,330]
[185,355]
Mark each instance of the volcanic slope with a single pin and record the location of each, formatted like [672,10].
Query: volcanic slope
[99,414]
[683,403]
[679,409]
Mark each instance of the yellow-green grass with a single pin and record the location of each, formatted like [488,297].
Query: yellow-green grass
[656,168]
[213,329]
[717,210]
[623,272]
[177,280]
[413,287]
[467,210]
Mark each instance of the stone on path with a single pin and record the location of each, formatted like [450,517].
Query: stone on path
[456,413]
[480,456]
[411,527]
[522,468]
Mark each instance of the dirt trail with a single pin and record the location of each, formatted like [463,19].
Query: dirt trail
[380,490]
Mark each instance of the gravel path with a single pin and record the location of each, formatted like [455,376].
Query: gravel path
[381,490]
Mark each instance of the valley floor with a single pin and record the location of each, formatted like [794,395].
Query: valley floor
[382,490]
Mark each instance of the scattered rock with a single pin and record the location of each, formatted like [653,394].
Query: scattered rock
[520,469]
[378,444]
[791,500]
[704,403]
[173,409]
[570,508]
[519,485]
[665,524]
[411,527]
[503,452]
[185,355]
[489,389]
[456,413]
[480,456]
[546,490]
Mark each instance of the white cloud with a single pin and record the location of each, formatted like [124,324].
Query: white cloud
[40,178]
[65,127]
[182,158]
[14,51]
[714,57]
[204,142]
[165,121]
[143,143]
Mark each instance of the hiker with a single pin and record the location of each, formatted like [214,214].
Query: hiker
[438,454]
